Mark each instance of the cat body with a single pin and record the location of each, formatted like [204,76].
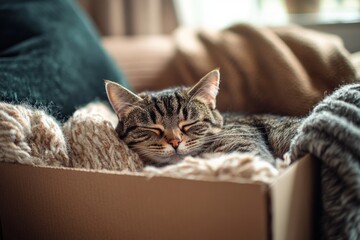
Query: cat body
[165,126]
[265,135]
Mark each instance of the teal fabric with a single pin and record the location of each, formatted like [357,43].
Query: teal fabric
[51,56]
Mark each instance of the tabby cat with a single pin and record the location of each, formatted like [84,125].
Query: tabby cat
[163,127]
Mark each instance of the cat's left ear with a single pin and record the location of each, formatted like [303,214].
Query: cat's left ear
[207,89]
[121,99]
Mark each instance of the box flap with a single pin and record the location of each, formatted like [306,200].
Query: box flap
[292,200]
[45,203]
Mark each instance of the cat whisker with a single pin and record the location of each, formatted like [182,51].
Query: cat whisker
[142,150]
[196,145]
[243,126]
[222,136]
[148,156]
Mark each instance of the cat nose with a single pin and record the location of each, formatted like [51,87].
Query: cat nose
[175,142]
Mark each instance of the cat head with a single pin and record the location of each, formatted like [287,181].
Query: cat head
[163,127]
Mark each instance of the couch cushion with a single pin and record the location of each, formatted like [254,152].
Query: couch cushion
[51,56]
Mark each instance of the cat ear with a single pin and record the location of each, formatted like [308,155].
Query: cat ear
[207,89]
[120,98]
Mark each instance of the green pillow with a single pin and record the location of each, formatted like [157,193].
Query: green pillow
[50,56]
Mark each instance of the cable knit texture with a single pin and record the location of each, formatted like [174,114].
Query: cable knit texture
[332,134]
[30,136]
[87,140]
[94,144]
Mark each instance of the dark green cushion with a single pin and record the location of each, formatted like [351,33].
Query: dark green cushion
[51,56]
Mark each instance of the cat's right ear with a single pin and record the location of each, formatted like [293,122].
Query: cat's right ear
[120,98]
[207,89]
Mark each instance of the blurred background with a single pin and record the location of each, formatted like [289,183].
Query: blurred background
[149,17]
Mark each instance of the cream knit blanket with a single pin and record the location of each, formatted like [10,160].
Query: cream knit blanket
[88,140]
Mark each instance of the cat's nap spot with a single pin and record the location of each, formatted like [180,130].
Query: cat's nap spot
[234,167]
[160,125]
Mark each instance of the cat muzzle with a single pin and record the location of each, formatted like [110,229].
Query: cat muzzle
[175,142]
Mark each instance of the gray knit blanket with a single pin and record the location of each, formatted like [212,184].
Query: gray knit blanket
[331,134]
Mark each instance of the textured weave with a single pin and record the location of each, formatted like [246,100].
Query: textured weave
[30,136]
[332,134]
[230,167]
[94,144]
[87,140]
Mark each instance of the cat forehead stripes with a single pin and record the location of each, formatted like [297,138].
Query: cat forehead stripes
[165,126]
[162,125]
[123,100]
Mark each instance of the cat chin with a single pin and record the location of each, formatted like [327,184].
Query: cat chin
[176,158]
[171,158]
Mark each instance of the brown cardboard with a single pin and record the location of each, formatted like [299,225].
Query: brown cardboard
[50,203]
[292,202]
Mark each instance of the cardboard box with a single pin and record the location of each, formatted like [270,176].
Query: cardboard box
[53,203]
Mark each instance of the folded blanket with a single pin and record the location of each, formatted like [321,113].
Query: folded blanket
[273,70]
[332,134]
[87,140]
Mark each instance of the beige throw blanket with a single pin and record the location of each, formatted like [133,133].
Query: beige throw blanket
[278,70]
[275,70]
[88,140]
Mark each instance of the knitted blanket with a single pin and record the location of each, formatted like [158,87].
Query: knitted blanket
[331,133]
[88,140]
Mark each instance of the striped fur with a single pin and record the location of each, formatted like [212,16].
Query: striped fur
[173,111]
[163,127]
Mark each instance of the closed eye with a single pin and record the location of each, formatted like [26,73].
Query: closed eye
[157,131]
[186,127]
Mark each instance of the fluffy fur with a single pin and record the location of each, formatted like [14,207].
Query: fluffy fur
[163,127]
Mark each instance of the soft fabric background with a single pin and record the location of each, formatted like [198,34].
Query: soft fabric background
[51,56]
[284,70]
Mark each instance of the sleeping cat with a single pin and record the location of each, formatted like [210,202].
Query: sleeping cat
[163,127]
